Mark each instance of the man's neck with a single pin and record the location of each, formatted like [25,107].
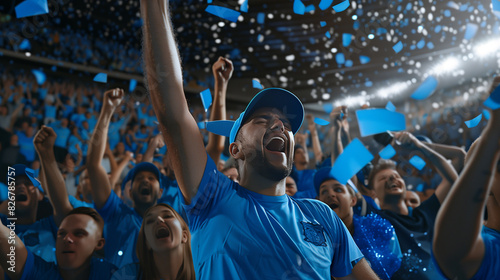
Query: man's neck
[263,185]
[80,273]
[142,208]
[397,207]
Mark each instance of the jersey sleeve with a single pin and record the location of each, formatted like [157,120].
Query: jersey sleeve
[111,209]
[212,191]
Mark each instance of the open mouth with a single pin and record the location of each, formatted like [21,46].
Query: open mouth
[21,197]
[276,144]
[145,191]
[391,186]
[333,206]
[162,232]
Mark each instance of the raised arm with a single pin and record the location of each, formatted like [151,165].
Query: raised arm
[164,80]
[455,154]
[155,142]
[52,177]
[458,245]
[336,117]
[99,182]
[444,168]
[222,70]
[13,253]
[318,152]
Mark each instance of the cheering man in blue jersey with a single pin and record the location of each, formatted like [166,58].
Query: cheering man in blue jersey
[250,230]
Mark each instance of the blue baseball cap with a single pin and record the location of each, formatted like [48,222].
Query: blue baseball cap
[143,166]
[23,170]
[326,173]
[277,98]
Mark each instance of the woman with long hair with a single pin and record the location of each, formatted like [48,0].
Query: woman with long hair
[163,248]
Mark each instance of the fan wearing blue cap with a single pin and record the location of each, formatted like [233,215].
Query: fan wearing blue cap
[251,229]
[122,222]
[374,235]
[38,236]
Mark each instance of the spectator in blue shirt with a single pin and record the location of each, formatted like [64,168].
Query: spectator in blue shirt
[78,237]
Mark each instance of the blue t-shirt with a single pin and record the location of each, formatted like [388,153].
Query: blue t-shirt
[171,196]
[62,135]
[26,145]
[50,111]
[240,234]
[415,233]
[305,183]
[121,228]
[490,268]
[39,238]
[37,268]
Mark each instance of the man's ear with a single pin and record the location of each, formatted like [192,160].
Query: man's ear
[235,150]
[100,244]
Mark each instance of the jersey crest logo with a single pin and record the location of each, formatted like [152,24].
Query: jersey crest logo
[314,233]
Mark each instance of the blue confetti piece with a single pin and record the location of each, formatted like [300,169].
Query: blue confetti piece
[390,107]
[201,125]
[420,187]
[209,1]
[354,157]
[223,12]
[346,39]
[341,6]
[327,34]
[220,127]
[447,13]
[25,45]
[309,8]
[101,78]
[364,59]
[322,23]
[244,6]
[206,98]
[30,8]
[39,76]
[324,4]
[430,45]
[398,47]
[328,108]
[388,152]
[470,31]
[299,7]
[493,101]
[453,5]
[256,84]
[486,114]
[368,83]
[319,121]
[348,63]
[53,68]
[132,85]
[340,58]
[496,5]
[374,121]
[261,17]
[418,162]
[426,89]
[437,28]
[421,44]
[474,122]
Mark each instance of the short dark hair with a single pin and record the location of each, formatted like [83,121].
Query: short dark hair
[89,212]
[381,165]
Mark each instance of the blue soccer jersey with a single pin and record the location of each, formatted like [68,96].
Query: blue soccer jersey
[121,228]
[240,234]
